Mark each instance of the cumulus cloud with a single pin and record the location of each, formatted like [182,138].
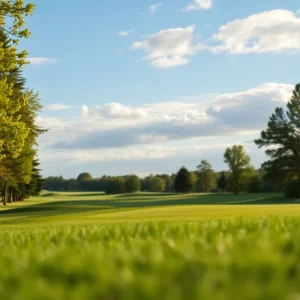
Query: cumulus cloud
[41,61]
[199,4]
[48,123]
[269,31]
[169,48]
[114,111]
[139,153]
[57,107]
[114,125]
[153,8]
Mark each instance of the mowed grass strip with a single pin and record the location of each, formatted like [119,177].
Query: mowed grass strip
[53,208]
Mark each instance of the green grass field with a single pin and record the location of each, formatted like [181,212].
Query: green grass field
[82,208]
[150,246]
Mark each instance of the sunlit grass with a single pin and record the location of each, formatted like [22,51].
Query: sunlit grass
[150,246]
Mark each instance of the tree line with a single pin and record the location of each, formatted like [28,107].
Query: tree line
[19,106]
[202,180]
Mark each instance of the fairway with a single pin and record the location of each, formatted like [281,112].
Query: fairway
[76,208]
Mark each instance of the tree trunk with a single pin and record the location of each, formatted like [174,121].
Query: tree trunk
[9,195]
[5,193]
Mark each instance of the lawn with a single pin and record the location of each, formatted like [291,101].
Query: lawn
[147,246]
[75,208]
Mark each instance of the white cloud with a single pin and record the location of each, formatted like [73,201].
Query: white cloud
[115,126]
[138,153]
[153,8]
[125,32]
[114,111]
[49,123]
[41,60]
[57,107]
[298,12]
[269,31]
[169,48]
[199,4]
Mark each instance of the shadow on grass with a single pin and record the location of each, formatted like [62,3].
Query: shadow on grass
[133,201]
[66,194]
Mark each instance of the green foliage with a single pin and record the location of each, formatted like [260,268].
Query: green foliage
[115,186]
[222,182]
[84,177]
[239,164]
[19,108]
[133,184]
[13,131]
[193,180]
[255,184]
[158,185]
[206,177]
[292,189]
[281,138]
[183,181]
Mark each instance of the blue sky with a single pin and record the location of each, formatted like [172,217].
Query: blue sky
[146,87]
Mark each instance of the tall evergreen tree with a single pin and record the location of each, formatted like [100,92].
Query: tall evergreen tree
[183,183]
[282,140]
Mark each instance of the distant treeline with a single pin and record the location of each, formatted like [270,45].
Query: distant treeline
[204,180]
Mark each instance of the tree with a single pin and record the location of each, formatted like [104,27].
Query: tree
[255,184]
[133,184]
[206,177]
[19,108]
[84,177]
[82,180]
[282,140]
[183,183]
[12,23]
[222,182]
[239,164]
[115,185]
[193,180]
[158,185]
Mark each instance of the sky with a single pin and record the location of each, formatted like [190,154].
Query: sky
[147,87]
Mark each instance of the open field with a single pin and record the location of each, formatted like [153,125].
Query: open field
[76,208]
[145,246]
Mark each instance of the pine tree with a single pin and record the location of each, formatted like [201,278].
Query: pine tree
[183,183]
[282,139]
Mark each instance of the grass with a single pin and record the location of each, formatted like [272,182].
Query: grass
[150,246]
[75,208]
